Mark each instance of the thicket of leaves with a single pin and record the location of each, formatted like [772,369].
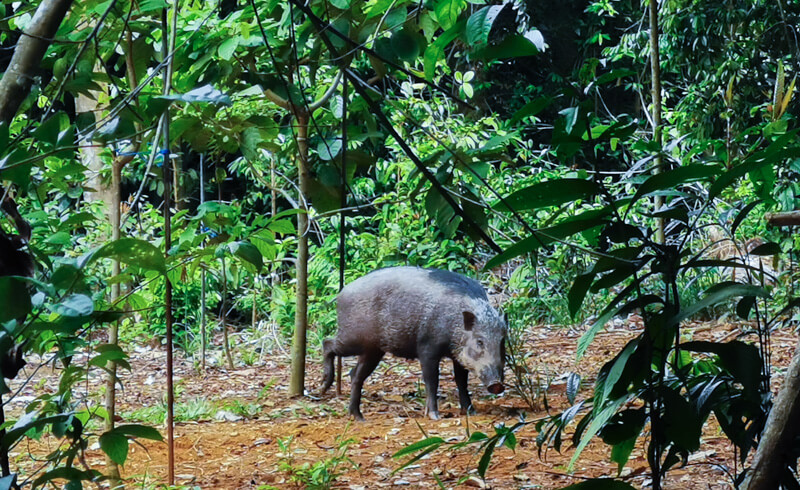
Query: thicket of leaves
[464,121]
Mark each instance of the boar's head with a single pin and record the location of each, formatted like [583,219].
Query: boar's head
[481,347]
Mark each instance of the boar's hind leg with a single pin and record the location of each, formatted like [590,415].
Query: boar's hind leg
[430,374]
[367,363]
[460,374]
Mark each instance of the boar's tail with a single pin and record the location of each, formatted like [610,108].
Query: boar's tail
[327,364]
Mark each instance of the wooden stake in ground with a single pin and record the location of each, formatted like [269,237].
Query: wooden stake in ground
[168,46]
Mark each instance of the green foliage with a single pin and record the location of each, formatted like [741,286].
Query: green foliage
[322,474]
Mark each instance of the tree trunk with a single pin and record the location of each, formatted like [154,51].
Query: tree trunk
[297,382]
[783,427]
[31,47]
[113,328]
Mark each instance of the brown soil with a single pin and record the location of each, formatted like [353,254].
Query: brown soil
[247,453]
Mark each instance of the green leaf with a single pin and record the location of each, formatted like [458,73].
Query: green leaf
[431,441]
[15,301]
[228,47]
[140,431]
[548,193]
[615,373]
[248,252]
[480,24]
[598,421]
[769,248]
[206,93]
[130,251]
[75,305]
[577,293]
[543,237]
[608,313]
[435,50]
[531,109]
[341,4]
[282,226]
[109,353]
[514,46]
[743,214]
[115,445]
[718,295]
[742,360]
[329,149]
[621,453]
[486,458]
[251,139]
[447,12]
[406,45]
[674,178]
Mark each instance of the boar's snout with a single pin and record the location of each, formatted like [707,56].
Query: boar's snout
[496,388]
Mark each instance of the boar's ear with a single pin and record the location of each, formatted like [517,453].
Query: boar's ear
[469,320]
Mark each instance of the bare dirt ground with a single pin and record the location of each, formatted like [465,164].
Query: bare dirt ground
[254,447]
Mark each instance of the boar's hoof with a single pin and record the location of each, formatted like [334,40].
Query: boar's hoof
[434,415]
[358,417]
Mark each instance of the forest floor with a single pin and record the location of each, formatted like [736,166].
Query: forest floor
[238,428]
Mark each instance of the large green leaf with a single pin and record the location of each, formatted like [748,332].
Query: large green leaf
[480,24]
[131,251]
[674,178]
[600,417]
[511,47]
[406,44]
[247,252]
[548,193]
[435,50]
[546,236]
[717,295]
[430,441]
[447,12]
[205,93]
[742,360]
[75,305]
[115,445]
[531,108]
[141,431]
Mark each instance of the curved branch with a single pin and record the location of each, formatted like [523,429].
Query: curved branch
[327,95]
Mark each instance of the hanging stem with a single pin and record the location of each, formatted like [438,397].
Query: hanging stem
[342,220]
[655,72]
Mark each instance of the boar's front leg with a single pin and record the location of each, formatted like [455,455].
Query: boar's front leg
[430,374]
[460,374]
[367,363]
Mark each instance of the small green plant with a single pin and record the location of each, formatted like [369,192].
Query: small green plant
[246,410]
[322,474]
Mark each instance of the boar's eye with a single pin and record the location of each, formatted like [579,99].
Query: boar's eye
[480,343]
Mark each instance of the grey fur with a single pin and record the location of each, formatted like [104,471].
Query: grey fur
[421,314]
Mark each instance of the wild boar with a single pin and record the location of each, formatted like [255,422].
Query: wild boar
[417,313]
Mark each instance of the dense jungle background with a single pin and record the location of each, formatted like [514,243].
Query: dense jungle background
[186,186]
